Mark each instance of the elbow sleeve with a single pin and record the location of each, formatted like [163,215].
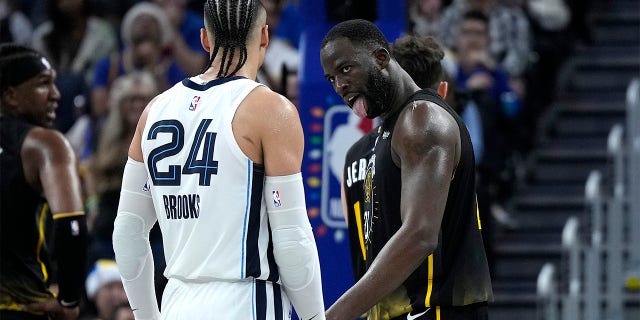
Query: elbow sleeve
[135,218]
[294,246]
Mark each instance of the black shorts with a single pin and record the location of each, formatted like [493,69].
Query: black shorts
[476,311]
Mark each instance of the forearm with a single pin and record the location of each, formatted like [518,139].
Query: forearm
[135,218]
[294,246]
[400,257]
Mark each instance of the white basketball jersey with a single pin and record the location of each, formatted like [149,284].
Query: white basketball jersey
[207,194]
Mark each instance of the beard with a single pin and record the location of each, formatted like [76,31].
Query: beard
[377,93]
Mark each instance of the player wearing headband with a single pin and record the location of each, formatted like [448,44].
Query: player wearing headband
[38,184]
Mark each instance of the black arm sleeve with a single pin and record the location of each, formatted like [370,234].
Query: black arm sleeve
[71,250]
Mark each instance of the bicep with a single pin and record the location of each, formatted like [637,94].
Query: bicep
[427,161]
[59,177]
[283,142]
[135,149]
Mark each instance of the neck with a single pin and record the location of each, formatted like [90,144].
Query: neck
[249,70]
[404,88]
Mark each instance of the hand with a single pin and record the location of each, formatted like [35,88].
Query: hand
[481,58]
[53,308]
[479,81]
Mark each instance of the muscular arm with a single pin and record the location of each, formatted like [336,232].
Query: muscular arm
[294,247]
[425,144]
[50,163]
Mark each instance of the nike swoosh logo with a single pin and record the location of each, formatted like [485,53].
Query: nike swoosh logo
[314,316]
[416,316]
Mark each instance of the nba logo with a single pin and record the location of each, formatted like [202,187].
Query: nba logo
[194,103]
[146,187]
[276,198]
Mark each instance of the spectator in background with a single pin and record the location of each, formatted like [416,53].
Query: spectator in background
[105,290]
[509,35]
[184,43]
[128,97]
[282,60]
[14,25]
[290,25]
[552,44]
[123,312]
[488,88]
[424,17]
[74,40]
[146,32]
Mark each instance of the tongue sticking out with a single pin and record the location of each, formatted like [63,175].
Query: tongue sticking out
[359,108]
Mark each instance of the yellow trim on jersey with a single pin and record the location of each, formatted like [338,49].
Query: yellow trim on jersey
[43,212]
[356,209]
[67,214]
[427,299]
[438,313]
[478,214]
[11,306]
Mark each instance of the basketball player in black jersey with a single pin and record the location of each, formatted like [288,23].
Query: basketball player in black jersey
[418,224]
[38,176]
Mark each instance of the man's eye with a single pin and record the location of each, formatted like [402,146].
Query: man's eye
[346,69]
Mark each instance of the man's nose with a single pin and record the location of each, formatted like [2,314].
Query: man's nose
[340,85]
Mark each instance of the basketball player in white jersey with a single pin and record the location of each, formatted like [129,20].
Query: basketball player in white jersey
[216,161]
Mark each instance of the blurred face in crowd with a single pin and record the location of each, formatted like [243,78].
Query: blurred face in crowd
[429,8]
[35,99]
[109,297]
[134,102]
[473,38]
[146,40]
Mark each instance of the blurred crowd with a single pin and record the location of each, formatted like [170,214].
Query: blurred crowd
[502,59]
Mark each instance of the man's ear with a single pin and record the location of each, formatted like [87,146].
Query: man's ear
[382,57]
[10,98]
[264,37]
[443,88]
[204,40]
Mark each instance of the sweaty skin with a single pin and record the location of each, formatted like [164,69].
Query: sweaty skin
[426,147]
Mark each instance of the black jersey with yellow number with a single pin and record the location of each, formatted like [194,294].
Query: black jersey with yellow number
[456,273]
[23,256]
[356,162]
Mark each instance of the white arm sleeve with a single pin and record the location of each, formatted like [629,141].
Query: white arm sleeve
[294,247]
[135,218]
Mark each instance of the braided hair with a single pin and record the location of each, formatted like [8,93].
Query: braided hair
[230,22]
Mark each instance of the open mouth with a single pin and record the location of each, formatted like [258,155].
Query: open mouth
[352,99]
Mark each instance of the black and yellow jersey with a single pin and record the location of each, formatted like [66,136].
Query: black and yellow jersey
[24,270]
[457,272]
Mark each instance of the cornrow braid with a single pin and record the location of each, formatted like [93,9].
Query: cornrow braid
[230,23]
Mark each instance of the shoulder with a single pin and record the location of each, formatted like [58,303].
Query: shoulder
[47,144]
[426,124]
[270,105]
